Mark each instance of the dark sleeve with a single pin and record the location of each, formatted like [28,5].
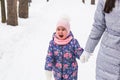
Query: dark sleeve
[49,58]
[77,49]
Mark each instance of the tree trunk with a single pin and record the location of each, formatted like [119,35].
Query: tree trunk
[12,18]
[93,2]
[3,12]
[83,1]
[29,1]
[23,8]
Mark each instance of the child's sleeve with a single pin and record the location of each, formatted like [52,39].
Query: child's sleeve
[77,49]
[49,58]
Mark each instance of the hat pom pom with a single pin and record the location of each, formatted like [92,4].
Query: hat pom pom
[65,17]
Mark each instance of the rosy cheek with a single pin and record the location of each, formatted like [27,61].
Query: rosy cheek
[56,34]
[65,36]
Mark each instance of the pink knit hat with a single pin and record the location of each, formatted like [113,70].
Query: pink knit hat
[65,23]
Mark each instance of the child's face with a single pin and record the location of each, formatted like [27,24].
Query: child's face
[61,32]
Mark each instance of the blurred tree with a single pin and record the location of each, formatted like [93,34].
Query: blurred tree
[93,2]
[29,1]
[83,1]
[23,8]
[12,18]
[3,12]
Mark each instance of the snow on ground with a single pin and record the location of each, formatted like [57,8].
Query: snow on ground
[23,48]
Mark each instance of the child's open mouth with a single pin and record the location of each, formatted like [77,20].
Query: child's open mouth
[61,36]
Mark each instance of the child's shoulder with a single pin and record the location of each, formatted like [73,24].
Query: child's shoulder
[74,40]
[51,42]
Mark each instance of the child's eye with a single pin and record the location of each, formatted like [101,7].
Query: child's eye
[58,29]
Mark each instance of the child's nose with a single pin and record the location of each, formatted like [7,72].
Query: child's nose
[61,31]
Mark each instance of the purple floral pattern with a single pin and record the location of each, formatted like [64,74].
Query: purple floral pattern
[61,59]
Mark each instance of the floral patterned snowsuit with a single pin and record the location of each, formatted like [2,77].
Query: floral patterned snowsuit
[61,59]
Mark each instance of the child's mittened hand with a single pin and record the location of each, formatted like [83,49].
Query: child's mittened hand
[48,75]
[85,56]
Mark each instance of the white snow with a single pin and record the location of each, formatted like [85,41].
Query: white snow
[23,48]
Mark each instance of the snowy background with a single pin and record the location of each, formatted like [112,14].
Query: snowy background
[23,48]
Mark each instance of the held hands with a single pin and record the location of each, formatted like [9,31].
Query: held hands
[85,56]
[48,75]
